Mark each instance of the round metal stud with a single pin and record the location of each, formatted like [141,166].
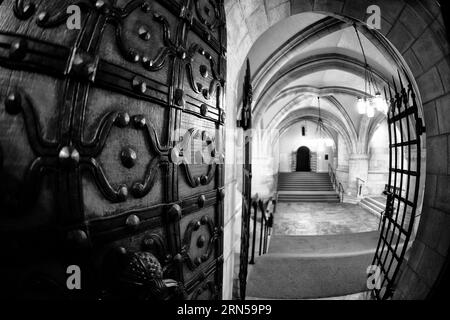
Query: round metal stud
[133,221]
[144,34]
[204,71]
[204,109]
[201,201]
[43,17]
[197,181]
[204,220]
[203,180]
[198,261]
[99,4]
[122,193]
[175,212]
[146,7]
[182,54]
[69,156]
[133,55]
[120,251]
[201,242]
[13,104]
[18,49]
[78,237]
[205,93]
[223,116]
[26,11]
[178,258]
[139,85]
[197,225]
[128,157]
[122,120]
[148,63]
[139,122]
[137,190]
[222,194]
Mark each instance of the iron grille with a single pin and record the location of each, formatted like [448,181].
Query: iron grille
[402,190]
[246,124]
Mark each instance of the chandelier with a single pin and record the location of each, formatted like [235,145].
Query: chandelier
[322,141]
[372,100]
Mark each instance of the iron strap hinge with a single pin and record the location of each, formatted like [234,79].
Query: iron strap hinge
[83,65]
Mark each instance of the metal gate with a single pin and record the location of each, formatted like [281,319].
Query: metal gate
[402,190]
[246,124]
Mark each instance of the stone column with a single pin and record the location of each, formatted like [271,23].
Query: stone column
[358,167]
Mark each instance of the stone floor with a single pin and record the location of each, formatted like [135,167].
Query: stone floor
[322,219]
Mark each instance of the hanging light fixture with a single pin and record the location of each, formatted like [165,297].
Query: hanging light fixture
[320,127]
[361,105]
[373,100]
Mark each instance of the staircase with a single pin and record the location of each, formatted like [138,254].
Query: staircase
[372,205]
[305,187]
[313,267]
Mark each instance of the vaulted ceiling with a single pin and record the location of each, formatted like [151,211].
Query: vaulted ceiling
[310,55]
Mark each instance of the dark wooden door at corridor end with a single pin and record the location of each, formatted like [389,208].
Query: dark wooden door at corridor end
[303,159]
[112,149]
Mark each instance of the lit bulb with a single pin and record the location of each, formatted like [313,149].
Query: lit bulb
[380,103]
[361,105]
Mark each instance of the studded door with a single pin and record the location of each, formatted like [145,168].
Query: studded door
[111,154]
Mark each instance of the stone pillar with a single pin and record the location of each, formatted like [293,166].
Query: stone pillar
[358,167]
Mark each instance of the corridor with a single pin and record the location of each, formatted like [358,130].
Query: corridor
[321,218]
[317,250]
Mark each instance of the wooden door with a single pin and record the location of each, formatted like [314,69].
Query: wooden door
[111,143]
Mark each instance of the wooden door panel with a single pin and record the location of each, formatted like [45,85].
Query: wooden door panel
[29,125]
[143,40]
[199,142]
[90,127]
[204,80]
[130,168]
[199,232]
[42,26]
[208,23]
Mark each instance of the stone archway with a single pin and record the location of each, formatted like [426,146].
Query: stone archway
[303,161]
[416,30]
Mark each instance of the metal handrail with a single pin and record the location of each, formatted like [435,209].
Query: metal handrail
[341,192]
[337,185]
[261,210]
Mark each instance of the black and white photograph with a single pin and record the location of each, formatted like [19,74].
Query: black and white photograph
[243,152]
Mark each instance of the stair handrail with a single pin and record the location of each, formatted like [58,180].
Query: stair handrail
[332,175]
[341,192]
[254,205]
[265,209]
[337,185]
[266,223]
